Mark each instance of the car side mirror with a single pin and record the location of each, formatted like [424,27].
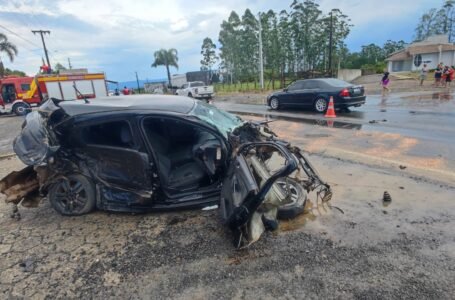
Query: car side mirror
[285,90]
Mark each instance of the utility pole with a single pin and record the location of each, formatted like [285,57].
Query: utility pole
[42,32]
[69,63]
[330,44]
[138,87]
[261,63]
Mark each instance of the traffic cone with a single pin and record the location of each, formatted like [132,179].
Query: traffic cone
[330,113]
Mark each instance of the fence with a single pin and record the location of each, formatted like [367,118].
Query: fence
[251,86]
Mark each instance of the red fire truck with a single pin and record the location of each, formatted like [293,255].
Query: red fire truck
[19,94]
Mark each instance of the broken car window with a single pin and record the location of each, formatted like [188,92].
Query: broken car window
[225,122]
[113,134]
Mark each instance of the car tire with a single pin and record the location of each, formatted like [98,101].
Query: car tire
[297,201]
[274,103]
[73,195]
[21,108]
[320,105]
[190,95]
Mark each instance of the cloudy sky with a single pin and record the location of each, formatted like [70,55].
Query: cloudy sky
[119,37]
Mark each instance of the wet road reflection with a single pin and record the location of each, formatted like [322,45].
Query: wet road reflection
[434,98]
[320,122]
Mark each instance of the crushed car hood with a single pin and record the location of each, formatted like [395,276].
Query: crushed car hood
[33,145]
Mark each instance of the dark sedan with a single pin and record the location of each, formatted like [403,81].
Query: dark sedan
[315,93]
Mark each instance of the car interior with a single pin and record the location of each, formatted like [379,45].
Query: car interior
[188,156]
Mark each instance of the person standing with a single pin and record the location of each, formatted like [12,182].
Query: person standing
[385,83]
[446,76]
[452,73]
[423,74]
[437,75]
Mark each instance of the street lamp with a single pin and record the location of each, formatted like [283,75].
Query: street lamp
[261,63]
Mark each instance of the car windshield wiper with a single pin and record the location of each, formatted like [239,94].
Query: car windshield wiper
[80,94]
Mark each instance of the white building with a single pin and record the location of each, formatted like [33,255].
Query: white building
[431,51]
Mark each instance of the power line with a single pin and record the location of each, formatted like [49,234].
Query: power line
[12,32]
[24,39]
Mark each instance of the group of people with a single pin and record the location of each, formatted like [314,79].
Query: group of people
[125,91]
[443,75]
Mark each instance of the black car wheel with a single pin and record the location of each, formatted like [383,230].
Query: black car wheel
[73,195]
[275,103]
[190,95]
[296,201]
[320,105]
[21,109]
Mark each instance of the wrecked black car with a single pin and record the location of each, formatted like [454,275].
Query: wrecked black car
[155,152]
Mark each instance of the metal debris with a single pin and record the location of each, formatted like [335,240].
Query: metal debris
[387,197]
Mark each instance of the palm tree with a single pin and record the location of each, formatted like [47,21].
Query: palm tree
[10,50]
[166,58]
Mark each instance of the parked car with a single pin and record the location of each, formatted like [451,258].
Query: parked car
[196,89]
[153,152]
[315,93]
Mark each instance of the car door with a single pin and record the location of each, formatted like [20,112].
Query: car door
[288,97]
[113,156]
[242,195]
[304,96]
[182,90]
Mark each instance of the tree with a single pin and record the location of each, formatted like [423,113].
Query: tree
[58,67]
[166,58]
[437,21]
[294,41]
[229,39]
[9,49]
[15,73]
[448,21]
[209,56]
[392,46]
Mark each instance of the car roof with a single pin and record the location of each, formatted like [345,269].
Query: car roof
[164,103]
[326,80]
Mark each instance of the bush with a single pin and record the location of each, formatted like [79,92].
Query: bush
[377,68]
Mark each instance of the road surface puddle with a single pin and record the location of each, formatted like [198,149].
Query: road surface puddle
[299,221]
[435,97]
[319,122]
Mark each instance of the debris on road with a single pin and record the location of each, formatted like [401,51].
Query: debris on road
[387,198]
[402,167]
[28,265]
[377,121]
[210,207]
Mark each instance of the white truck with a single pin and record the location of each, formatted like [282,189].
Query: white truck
[196,89]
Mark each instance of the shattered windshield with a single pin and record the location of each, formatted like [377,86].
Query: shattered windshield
[225,122]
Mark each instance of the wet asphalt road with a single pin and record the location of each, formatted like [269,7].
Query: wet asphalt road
[414,128]
[425,115]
